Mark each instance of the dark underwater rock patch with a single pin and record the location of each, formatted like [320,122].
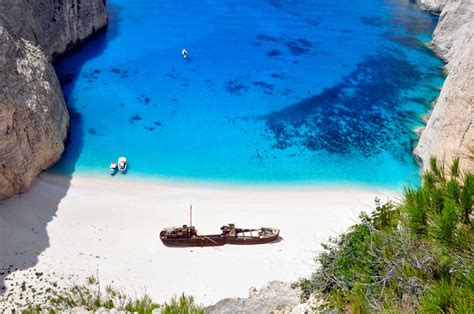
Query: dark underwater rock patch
[144,99]
[342,30]
[375,21]
[296,48]
[410,42]
[314,21]
[360,114]
[306,43]
[263,37]
[92,131]
[135,118]
[419,25]
[171,76]
[418,100]
[274,53]
[235,88]
[321,53]
[122,73]
[277,76]
[264,85]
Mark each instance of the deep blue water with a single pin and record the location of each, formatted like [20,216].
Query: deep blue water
[272,91]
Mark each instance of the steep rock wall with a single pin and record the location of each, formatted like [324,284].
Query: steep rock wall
[55,25]
[450,128]
[33,116]
[434,6]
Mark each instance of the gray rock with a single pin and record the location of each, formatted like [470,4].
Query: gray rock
[33,116]
[54,25]
[276,297]
[450,128]
[434,6]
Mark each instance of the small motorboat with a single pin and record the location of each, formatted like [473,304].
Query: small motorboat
[122,164]
[113,167]
[184,53]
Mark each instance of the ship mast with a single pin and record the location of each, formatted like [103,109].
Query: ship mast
[191,215]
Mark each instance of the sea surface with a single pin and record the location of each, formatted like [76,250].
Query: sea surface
[272,92]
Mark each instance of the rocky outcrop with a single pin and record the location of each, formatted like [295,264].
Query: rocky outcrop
[434,6]
[450,129]
[276,297]
[56,26]
[33,115]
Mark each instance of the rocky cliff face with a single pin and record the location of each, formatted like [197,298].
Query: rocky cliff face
[54,25]
[434,6]
[450,128]
[33,115]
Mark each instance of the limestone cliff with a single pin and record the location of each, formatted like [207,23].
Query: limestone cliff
[434,6]
[450,128]
[54,25]
[33,115]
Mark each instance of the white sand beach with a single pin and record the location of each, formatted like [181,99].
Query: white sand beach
[109,227]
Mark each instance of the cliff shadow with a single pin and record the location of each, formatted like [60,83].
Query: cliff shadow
[24,218]
[23,229]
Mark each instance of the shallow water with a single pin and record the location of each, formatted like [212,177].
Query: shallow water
[285,92]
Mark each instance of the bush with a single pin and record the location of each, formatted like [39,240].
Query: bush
[417,256]
[91,297]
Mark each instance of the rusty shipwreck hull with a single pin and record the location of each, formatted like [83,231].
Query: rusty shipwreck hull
[175,237]
[194,241]
[245,236]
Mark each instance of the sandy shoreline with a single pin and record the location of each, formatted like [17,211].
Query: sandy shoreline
[109,227]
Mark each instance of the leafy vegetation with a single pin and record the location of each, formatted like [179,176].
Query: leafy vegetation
[91,297]
[414,256]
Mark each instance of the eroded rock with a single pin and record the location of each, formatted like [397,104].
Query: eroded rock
[450,128]
[275,297]
[54,25]
[33,116]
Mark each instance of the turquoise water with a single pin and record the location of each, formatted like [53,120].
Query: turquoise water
[310,92]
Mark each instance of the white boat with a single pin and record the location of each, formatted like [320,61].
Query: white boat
[184,53]
[113,167]
[122,164]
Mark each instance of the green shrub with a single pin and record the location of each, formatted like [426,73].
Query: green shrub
[413,257]
[91,297]
[143,305]
[183,305]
